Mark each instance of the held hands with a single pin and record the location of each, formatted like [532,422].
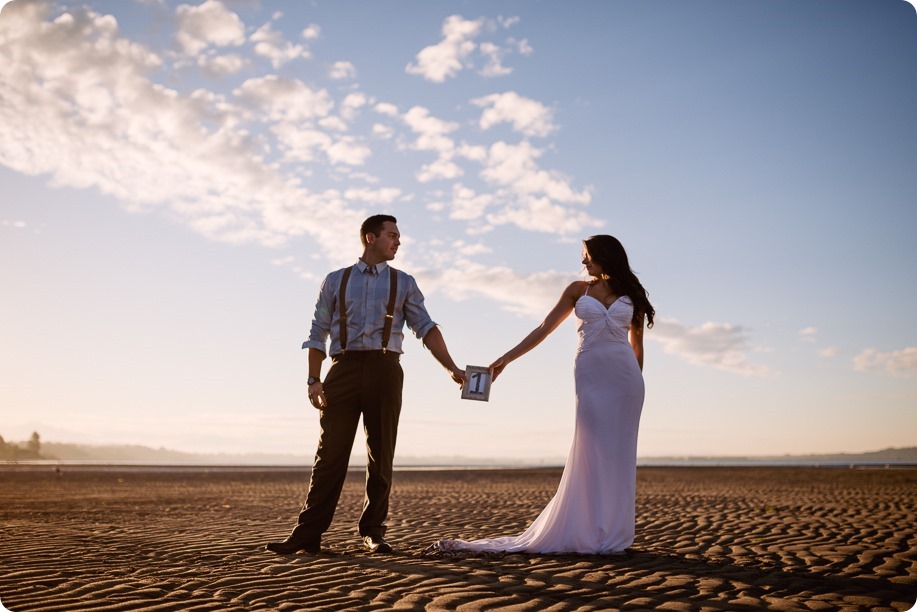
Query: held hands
[458,376]
[496,368]
[317,396]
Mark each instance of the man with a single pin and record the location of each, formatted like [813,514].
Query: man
[365,379]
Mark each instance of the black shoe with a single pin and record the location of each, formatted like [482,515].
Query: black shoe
[376,544]
[291,546]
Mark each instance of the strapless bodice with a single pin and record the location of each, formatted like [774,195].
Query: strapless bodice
[595,322]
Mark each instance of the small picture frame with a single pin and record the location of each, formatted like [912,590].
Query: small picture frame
[477,386]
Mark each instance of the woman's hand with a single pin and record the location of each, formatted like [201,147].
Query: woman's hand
[496,368]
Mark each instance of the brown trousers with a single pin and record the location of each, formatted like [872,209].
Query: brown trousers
[366,383]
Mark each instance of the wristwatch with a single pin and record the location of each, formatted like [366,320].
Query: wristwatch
[312,380]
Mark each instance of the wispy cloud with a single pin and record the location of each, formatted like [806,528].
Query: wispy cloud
[528,117]
[720,345]
[234,165]
[342,70]
[530,295]
[270,44]
[898,363]
[207,24]
[456,51]
[230,164]
[449,56]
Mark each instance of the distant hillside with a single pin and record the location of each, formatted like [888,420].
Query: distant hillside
[888,455]
[144,454]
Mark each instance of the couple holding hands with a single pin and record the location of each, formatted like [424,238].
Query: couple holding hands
[363,308]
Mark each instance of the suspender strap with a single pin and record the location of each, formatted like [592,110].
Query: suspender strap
[342,310]
[390,315]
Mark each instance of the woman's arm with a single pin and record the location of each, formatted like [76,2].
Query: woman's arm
[561,311]
[636,341]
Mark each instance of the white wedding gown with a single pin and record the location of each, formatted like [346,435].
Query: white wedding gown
[593,509]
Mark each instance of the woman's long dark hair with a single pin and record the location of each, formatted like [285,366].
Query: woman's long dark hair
[609,253]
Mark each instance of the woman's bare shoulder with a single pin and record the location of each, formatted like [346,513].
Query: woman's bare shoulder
[576,289]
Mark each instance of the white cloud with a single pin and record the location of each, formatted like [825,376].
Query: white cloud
[348,150]
[445,59]
[530,295]
[384,108]
[270,44]
[342,70]
[454,52]
[351,105]
[719,345]
[427,126]
[210,23]
[334,124]
[76,84]
[221,65]
[284,99]
[807,334]
[431,136]
[235,166]
[441,169]
[13,224]
[384,132]
[528,117]
[471,249]
[530,197]
[829,352]
[523,47]
[301,144]
[494,55]
[373,196]
[539,214]
[899,363]
[466,204]
[311,32]
[514,166]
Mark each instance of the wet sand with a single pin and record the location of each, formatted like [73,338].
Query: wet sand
[707,539]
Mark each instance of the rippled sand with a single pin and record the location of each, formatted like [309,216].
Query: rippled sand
[707,539]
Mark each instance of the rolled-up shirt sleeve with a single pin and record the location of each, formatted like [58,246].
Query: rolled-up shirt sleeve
[321,321]
[415,313]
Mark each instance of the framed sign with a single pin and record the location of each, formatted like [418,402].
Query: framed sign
[478,385]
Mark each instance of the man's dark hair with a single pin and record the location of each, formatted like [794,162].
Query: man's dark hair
[373,226]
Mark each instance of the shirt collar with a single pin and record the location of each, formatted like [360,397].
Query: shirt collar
[380,267]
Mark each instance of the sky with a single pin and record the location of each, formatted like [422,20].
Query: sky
[177,179]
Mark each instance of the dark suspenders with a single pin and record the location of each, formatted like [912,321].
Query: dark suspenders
[390,311]
[389,316]
[342,310]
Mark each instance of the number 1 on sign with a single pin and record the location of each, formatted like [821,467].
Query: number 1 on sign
[477,385]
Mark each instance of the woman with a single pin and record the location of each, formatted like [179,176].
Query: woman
[593,509]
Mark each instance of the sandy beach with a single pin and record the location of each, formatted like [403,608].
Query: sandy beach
[707,539]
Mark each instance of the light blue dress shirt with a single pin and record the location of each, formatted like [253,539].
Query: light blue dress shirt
[365,303]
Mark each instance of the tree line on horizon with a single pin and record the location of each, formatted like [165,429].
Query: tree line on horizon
[14,451]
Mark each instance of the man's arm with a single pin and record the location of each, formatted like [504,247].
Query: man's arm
[437,344]
[318,336]
[316,391]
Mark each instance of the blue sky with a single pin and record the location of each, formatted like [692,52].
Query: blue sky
[178,178]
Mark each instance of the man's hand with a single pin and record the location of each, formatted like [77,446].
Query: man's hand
[459,377]
[317,396]
[436,345]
